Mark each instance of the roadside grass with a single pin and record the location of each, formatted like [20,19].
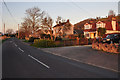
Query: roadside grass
[2,41]
[25,41]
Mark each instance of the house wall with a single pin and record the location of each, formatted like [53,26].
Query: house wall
[111,31]
[90,34]
[68,32]
[102,25]
[114,25]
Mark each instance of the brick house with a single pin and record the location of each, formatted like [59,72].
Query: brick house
[90,29]
[58,30]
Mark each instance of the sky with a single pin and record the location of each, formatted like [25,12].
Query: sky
[74,11]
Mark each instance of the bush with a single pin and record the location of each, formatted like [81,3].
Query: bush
[90,41]
[44,43]
[83,41]
[26,41]
[59,43]
[58,39]
[32,39]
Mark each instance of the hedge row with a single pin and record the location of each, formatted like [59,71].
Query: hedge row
[43,43]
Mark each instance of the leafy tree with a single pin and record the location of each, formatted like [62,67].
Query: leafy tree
[101,31]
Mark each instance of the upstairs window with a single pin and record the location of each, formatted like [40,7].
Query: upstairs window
[87,26]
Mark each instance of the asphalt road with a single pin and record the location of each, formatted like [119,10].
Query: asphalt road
[23,61]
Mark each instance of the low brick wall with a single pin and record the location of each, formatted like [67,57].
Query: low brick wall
[112,48]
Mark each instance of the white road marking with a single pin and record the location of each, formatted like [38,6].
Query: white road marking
[15,44]
[20,49]
[11,41]
[39,61]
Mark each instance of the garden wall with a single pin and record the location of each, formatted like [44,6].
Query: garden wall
[82,41]
[112,48]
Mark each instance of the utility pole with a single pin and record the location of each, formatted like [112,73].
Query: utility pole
[4,28]
[18,30]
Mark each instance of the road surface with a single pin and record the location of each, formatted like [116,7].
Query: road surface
[23,61]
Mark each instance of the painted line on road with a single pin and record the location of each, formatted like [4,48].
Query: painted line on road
[11,41]
[82,61]
[20,49]
[38,61]
[15,44]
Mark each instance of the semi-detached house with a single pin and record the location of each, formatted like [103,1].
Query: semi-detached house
[90,29]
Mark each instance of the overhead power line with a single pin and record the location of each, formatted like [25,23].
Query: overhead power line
[80,8]
[9,11]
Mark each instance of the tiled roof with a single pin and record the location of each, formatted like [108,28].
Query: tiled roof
[100,22]
[118,26]
[93,26]
[108,25]
[60,24]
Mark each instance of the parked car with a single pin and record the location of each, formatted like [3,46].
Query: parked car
[112,38]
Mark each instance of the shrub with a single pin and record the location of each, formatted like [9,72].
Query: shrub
[32,39]
[59,43]
[58,39]
[43,43]
[26,41]
[83,41]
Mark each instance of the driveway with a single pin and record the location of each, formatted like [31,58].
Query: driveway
[86,54]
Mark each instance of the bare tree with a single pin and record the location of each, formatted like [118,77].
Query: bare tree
[47,24]
[60,20]
[9,31]
[26,27]
[33,19]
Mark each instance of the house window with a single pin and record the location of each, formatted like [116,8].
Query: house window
[102,25]
[87,26]
[87,35]
[74,32]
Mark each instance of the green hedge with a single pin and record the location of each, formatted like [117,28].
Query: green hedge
[43,43]
[32,39]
